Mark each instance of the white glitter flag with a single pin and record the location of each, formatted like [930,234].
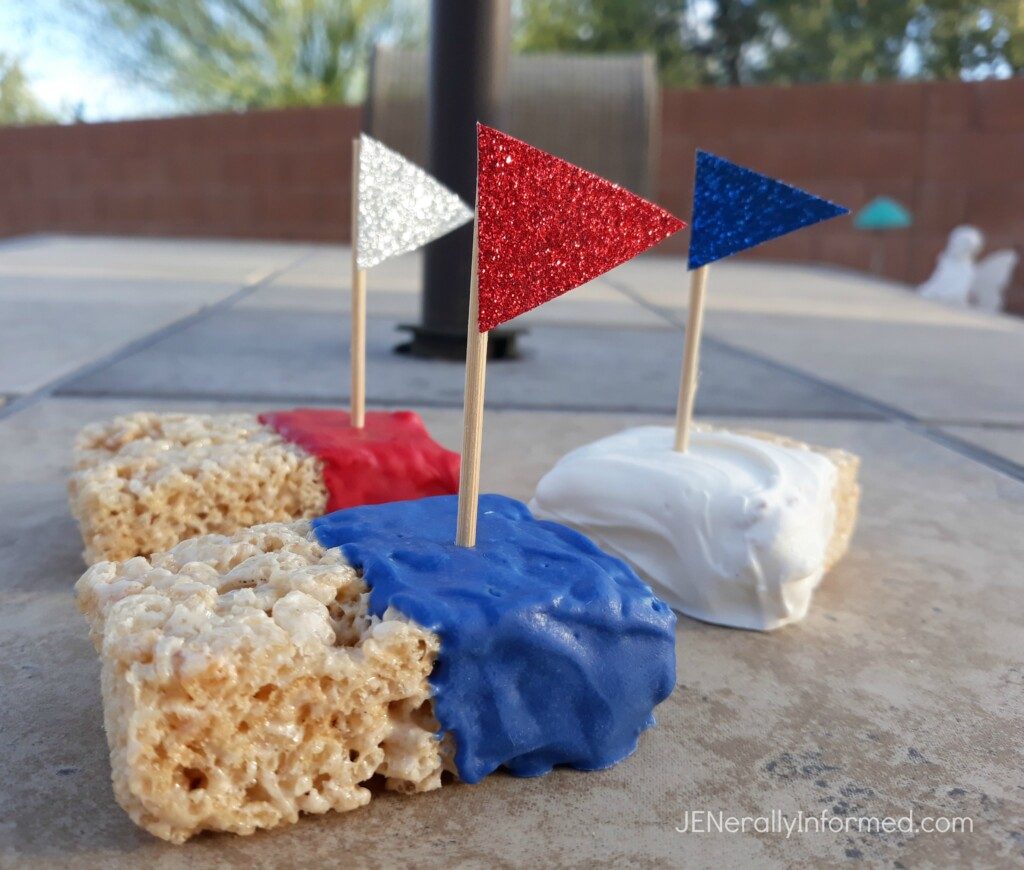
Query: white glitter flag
[401,207]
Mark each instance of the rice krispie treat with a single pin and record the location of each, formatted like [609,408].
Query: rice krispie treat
[145,481]
[739,530]
[252,677]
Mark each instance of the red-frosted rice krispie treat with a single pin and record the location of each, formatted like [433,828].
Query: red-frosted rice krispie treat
[145,481]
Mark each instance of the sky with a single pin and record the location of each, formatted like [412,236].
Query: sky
[66,79]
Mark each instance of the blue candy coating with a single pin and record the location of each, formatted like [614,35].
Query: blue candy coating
[552,652]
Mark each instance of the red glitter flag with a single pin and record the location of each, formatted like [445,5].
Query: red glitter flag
[545,226]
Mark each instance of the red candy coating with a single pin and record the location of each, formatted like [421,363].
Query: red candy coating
[393,458]
[545,226]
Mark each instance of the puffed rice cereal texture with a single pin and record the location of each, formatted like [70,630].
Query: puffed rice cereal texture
[245,682]
[143,482]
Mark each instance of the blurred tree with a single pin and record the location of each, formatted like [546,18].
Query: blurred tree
[18,103]
[603,26]
[836,40]
[734,37]
[846,40]
[239,54]
[749,41]
[979,38]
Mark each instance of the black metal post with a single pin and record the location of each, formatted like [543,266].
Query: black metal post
[469,48]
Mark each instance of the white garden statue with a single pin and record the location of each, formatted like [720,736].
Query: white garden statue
[991,278]
[955,268]
[961,279]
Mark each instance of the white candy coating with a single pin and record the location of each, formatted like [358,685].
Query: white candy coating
[736,531]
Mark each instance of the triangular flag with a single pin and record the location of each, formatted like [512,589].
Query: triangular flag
[545,226]
[735,208]
[401,207]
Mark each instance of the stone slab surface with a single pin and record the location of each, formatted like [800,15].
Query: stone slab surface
[865,336]
[902,691]
[65,302]
[253,353]
[322,283]
[873,337]
[234,261]
[1007,442]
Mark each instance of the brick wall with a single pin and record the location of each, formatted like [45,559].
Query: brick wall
[277,175]
[951,152]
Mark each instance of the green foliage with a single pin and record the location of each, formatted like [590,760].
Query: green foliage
[605,26]
[837,40]
[18,103]
[781,41]
[977,37]
[240,54]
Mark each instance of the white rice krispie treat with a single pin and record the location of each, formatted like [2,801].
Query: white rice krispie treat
[244,680]
[145,481]
[739,530]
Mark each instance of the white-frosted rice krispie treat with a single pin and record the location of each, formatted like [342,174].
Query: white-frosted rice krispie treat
[244,680]
[145,481]
[739,530]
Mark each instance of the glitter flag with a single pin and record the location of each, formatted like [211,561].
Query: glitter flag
[735,208]
[545,226]
[401,207]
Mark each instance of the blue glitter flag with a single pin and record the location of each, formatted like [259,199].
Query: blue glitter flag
[735,208]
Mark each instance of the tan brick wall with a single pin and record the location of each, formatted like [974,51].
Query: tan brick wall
[952,152]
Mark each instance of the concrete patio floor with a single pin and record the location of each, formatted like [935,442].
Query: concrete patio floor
[902,691]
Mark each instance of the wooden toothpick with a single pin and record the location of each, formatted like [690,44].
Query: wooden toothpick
[358,344]
[691,360]
[472,415]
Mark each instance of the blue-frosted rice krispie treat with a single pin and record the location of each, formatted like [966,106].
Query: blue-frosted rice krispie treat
[252,677]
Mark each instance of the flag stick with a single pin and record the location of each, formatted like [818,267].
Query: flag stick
[688,382]
[472,415]
[358,343]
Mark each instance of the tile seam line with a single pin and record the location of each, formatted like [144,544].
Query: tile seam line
[889,411]
[26,400]
[961,447]
[967,423]
[912,423]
